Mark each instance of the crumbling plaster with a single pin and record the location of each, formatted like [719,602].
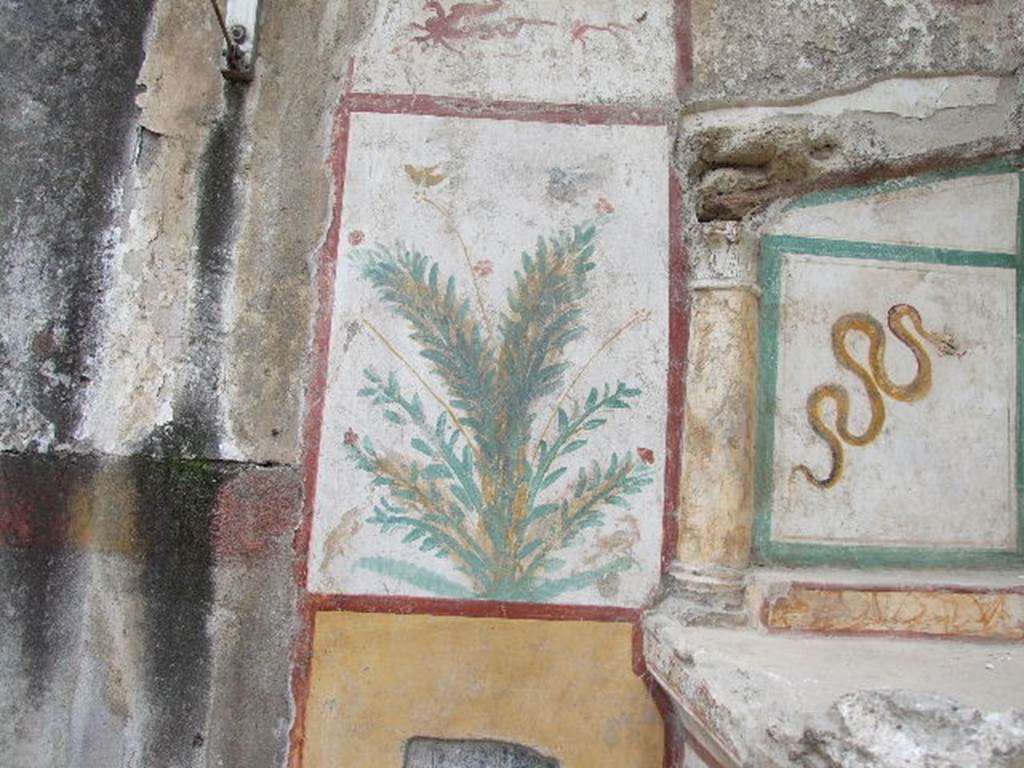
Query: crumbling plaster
[150,285]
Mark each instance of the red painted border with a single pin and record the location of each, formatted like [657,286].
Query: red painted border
[525,111]
[678,319]
[434,606]
[703,754]
[678,343]
[311,432]
[684,46]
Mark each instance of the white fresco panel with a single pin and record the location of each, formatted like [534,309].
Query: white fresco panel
[473,195]
[970,213]
[940,473]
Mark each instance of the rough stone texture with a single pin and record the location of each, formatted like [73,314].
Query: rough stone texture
[201,208]
[757,701]
[442,753]
[739,160]
[158,248]
[770,50]
[879,729]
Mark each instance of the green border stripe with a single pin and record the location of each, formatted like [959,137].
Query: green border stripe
[1020,364]
[773,249]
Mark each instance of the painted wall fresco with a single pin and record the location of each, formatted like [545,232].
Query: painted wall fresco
[578,51]
[564,689]
[883,364]
[986,614]
[495,413]
[875,380]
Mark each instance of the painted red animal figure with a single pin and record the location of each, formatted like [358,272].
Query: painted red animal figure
[463,22]
[581,30]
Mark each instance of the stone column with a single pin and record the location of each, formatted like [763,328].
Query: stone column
[717,484]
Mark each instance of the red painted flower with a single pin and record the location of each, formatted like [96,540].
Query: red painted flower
[351,437]
[603,206]
[646,455]
[483,268]
[356,236]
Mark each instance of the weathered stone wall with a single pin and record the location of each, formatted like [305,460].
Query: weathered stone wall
[157,244]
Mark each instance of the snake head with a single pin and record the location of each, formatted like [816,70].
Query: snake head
[947,346]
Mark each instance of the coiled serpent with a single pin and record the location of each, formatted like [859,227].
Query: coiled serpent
[875,381]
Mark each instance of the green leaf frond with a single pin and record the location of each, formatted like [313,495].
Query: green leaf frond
[471,490]
[544,316]
[573,424]
[542,591]
[438,441]
[415,575]
[448,334]
[582,507]
[418,501]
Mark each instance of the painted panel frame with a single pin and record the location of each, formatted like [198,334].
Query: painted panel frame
[767,550]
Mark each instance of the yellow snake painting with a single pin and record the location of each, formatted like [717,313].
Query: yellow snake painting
[875,379]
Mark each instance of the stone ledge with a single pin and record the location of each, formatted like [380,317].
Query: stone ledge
[752,700]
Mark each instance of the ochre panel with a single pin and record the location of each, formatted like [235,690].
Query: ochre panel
[564,688]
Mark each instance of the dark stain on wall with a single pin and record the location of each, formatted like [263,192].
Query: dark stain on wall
[177,498]
[197,423]
[67,115]
[41,577]
[178,484]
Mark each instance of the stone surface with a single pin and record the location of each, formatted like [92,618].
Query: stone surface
[765,701]
[897,729]
[741,159]
[184,331]
[575,51]
[442,753]
[67,128]
[750,52]
[135,592]
[554,177]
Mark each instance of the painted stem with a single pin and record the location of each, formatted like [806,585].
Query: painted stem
[450,221]
[430,390]
[638,317]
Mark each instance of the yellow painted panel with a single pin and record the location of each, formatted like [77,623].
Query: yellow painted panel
[565,688]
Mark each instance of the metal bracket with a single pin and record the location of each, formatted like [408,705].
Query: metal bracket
[240,24]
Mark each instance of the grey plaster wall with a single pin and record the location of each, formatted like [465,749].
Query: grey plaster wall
[758,51]
[66,122]
[159,235]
